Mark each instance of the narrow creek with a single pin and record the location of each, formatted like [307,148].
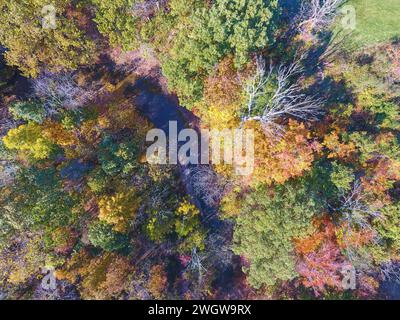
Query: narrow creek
[160,108]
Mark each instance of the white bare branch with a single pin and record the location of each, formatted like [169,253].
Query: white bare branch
[196,264]
[146,8]
[355,210]
[60,91]
[287,98]
[390,272]
[206,184]
[6,124]
[358,215]
[8,171]
[317,15]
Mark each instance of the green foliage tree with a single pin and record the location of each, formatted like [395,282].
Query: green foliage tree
[368,148]
[387,115]
[118,158]
[236,27]
[30,110]
[320,183]
[36,202]
[388,226]
[342,176]
[102,235]
[97,181]
[45,199]
[266,228]
[33,47]
[115,20]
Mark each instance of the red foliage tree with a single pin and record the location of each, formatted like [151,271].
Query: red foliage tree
[320,261]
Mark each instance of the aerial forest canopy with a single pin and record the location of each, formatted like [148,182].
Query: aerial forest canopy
[83,82]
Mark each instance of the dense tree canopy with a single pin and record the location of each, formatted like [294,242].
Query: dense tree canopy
[34,46]
[266,229]
[230,27]
[117,21]
[83,82]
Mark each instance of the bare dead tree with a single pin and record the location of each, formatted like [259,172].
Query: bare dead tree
[287,99]
[159,196]
[6,124]
[317,15]
[60,91]
[390,271]
[206,184]
[196,264]
[147,8]
[255,85]
[219,249]
[63,291]
[358,215]
[361,260]
[356,212]
[7,121]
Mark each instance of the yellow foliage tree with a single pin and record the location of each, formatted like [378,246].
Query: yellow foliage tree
[29,138]
[338,148]
[188,227]
[119,210]
[22,260]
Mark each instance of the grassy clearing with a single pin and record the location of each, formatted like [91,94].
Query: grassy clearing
[377,21]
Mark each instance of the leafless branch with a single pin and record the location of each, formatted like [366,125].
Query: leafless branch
[355,210]
[206,184]
[287,98]
[8,172]
[196,264]
[60,91]
[358,215]
[390,271]
[146,8]
[317,15]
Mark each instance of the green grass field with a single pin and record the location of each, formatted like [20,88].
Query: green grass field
[377,21]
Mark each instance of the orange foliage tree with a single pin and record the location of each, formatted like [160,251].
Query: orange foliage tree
[157,281]
[279,159]
[224,87]
[104,277]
